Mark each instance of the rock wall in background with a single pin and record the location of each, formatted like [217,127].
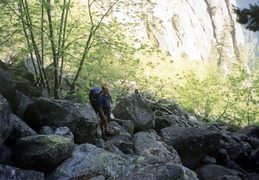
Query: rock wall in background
[191,27]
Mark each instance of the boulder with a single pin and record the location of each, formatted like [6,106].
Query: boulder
[79,117]
[172,120]
[8,91]
[64,131]
[223,157]
[254,142]
[25,86]
[46,130]
[157,172]
[19,130]
[250,131]
[234,166]
[216,172]
[247,175]
[209,160]
[42,152]
[197,123]
[223,126]
[107,146]
[128,125]
[9,172]
[149,145]
[134,108]
[235,149]
[5,112]
[240,148]
[22,103]
[165,121]
[120,138]
[192,144]
[88,159]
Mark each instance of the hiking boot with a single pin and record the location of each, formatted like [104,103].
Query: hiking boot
[104,137]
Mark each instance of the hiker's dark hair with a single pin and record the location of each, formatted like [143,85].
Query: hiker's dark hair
[103,87]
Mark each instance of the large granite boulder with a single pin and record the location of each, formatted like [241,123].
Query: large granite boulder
[134,108]
[128,125]
[22,102]
[5,112]
[88,161]
[165,121]
[172,120]
[192,144]
[240,150]
[64,131]
[250,131]
[42,152]
[8,88]
[233,146]
[46,130]
[79,117]
[120,138]
[150,145]
[163,171]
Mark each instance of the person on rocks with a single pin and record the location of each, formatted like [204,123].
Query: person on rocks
[104,104]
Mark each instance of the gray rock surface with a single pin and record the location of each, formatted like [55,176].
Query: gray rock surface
[5,112]
[150,145]
[135,109]
[192,144]
[19,130]
[79,117]
[42,152]
[13,173]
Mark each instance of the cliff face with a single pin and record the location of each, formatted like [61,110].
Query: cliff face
[191,27]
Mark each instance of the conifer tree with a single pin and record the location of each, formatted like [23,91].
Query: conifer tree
[249,17]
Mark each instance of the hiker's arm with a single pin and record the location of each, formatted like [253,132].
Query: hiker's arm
[102,113]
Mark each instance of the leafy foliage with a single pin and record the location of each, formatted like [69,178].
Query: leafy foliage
[72,37]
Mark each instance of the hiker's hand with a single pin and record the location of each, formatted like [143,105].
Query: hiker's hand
[105,118]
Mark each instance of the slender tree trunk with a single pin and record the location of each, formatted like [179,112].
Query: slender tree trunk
[42,47]
[225,110]
[54,53]
[34,45]
[62,46]
[31,55]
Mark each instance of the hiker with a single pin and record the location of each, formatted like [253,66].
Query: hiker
[104,102]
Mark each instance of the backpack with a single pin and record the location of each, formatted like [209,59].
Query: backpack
[93,97]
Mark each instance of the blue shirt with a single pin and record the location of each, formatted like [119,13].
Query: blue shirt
[104,102]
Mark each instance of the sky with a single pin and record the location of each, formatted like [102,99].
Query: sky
[245,3]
